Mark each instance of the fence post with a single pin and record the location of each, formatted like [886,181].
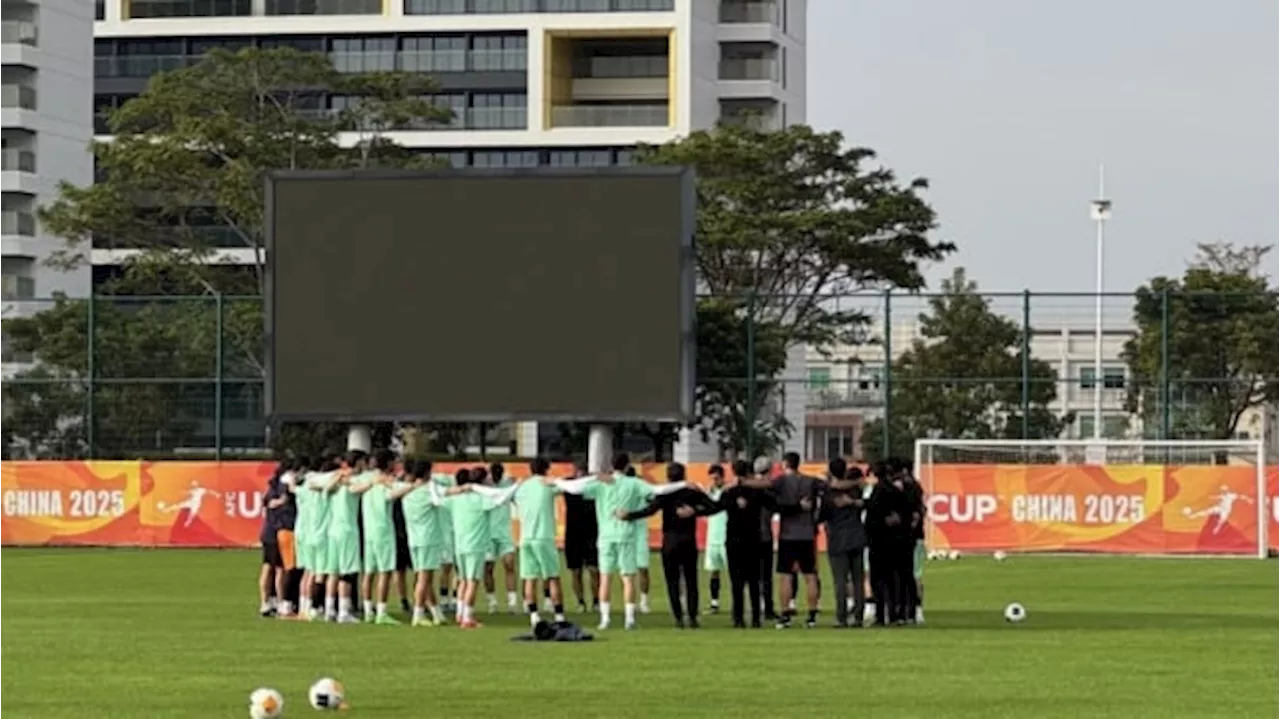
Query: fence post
[751,373]
[90,371]
[217,380]
[1166,416]
[887,438]
[1026,363]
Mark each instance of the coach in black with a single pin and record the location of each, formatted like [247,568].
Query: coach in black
[580,553]
[846,539]
[680,512]
[744,506]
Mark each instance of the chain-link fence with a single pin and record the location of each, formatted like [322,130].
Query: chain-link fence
[182,377]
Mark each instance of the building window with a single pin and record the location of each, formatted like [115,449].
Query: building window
[498,111]
[363,54]
[580,158]
[1112,377]
[324,7]
[99,10]
[1113,426]
[498,53]
[434,54]
[819,377]
[188,8]
[827,443]
[494,7]
[301,43]
[505,158]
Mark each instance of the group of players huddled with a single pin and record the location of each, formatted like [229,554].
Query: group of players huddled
[339,532]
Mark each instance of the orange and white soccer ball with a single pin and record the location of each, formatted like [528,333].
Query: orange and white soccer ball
[327,694]
[265,703]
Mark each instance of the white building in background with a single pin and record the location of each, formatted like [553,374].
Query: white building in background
[46,113]
[530,82]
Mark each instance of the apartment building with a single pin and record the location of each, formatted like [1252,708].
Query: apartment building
[559,83]
[46,113]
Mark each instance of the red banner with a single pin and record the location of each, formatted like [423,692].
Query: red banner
[1115,509]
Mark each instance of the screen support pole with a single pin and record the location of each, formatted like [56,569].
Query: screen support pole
[600,448]
[359,437]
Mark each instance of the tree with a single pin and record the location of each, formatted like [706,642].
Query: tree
[791,218]
[1222,357]
[186,166]
[963,379]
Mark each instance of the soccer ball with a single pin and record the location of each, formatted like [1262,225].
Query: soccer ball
[327,694]
[953,554]
[1015,613]
[265,703]
[1000,556]
[936,554]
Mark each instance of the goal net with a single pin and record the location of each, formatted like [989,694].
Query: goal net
[1102,497]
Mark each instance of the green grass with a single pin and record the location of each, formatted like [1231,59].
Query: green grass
[120,633]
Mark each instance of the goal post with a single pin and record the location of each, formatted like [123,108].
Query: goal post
[1139,497]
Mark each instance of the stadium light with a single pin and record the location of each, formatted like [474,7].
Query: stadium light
[1100,210]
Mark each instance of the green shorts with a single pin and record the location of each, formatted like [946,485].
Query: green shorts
[642,546]
[319,556]
[539,559]
[918,558]
[470,565]
[426,559]
[617,557]
[342,555]
[499,547]
[302,553]
[380,556]
[715,560]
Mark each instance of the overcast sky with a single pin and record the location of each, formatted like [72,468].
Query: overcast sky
[1008,106]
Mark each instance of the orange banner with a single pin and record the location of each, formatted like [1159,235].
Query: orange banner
[1115,509]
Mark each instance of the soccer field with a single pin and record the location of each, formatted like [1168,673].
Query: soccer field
[123,633]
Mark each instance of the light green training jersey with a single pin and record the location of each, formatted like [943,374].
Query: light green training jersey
[500,517]
[375,508]
[470,522]
[717,523]
[302,501]
[344,506]
[445,481]
[623,493]
[422,518]
[321,501]
[536,508]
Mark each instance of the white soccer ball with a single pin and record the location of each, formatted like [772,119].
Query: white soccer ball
[953,554]
[327,694]
[1000,556]
[265,703]
[1015,613]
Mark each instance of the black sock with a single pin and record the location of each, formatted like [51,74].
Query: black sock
[531,607]
[715,589]
[559,609]
[813,615]
[546,592]
[444,592]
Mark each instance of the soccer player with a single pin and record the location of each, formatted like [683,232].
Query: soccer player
[535,499]
[915,584]
[502,548]
[580,535]
[846,540]
[343,558]
[743,506]
[426,543]
[470,506]
[380,534]
[798,497]
[272,564]
[888,528]
[448,582]
[641,533]
[616,494]
[762,479]
[404,562]
[715,561]
[680,512]
[301,533]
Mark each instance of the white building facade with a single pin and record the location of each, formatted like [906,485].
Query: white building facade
[47,126]
[530,82]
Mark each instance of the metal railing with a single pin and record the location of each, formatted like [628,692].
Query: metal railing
[635,66]
[21,32]
[22,97]
[484,7]
[750,68]
[18,160]
[609,116]
[732,11]
[17,222]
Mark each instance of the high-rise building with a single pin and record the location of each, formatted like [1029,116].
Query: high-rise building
[530,82]
[46,115]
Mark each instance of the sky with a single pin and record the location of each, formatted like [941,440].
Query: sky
[1009,106]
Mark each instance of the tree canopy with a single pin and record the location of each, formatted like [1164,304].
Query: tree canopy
[1219,357]
[789,218]
[962,379]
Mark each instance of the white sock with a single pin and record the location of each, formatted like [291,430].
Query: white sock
[382,609]
[559,616]
[419,613]
[344,606]
[330,606]
[604,612]
[630,612]
[264,607]
[644,599]
[466,612]
[435,613]
[534,618]
[286,608]
[492,599]
[367,607]
[511,599]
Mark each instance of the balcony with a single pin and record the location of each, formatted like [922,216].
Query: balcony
[609,116]
[140,65]
[18,287]
[21,97]
[16,160]
[760,122]
[432,61]
[750,12]
[17,222]
[633,66]
[21,32]
[750,68]
[495,7]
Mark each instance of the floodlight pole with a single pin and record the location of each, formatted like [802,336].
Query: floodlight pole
[1100,210]
[600,448]
[359,437]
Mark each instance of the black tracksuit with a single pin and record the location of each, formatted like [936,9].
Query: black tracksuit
[846,541]
[915,500]
[764,551]
[744,508]
[679,544]
[889,533]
